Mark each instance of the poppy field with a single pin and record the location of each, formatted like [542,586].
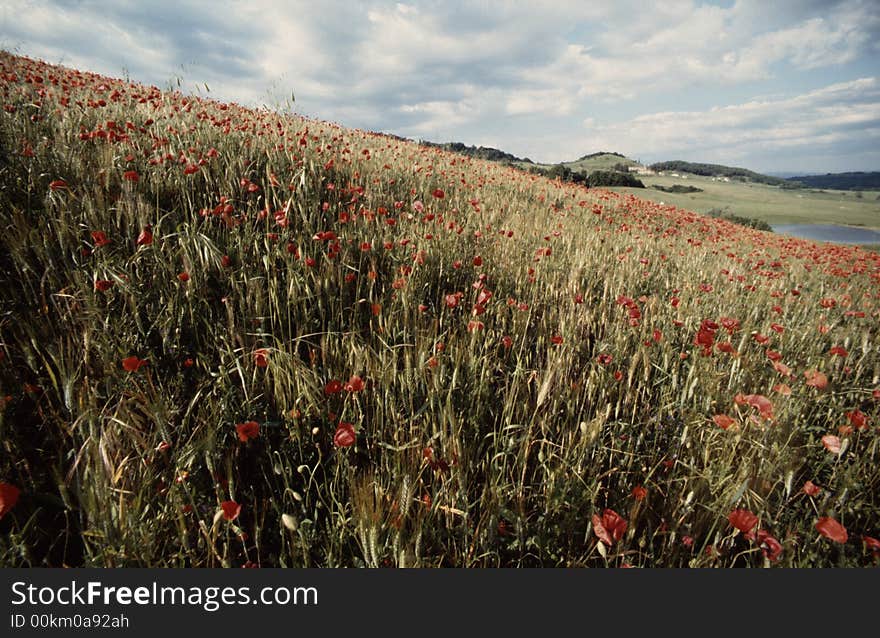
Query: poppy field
[244,338]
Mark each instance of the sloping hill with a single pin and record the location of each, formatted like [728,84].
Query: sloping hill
[233,337]
[480,152]
[602,160]
[719,170]
[840,181]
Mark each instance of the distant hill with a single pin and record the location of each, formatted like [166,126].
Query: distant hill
[604,168]
[855,181]
[719,170]
[600,154]
[601,161]
[481,152]
[587,176]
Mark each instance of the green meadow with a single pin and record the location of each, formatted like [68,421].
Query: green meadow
[768,203]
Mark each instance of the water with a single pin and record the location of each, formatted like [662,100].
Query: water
[830,232]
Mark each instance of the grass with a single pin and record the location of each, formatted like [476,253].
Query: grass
[343,349]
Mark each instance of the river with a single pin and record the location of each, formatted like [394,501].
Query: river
[830,232]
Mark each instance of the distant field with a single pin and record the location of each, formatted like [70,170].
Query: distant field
[768,203]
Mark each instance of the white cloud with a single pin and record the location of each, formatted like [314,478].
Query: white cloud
[842,112]
[523,74]
[815,43]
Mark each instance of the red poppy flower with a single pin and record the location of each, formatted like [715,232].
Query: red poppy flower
[231,510]
[600,531]
[334,386]
[131,176]
[723,421]
[133,364]
[474,326]
[757,401]
[604,359]
[871,543]
[743,520]
[730,324]
[58,185]
[831,443]
[858,419]
[8,498]
[556,340]
[100,238]
[610,528]
[507,341]
[782,388]
[639,493]
[816,379]
[355,384]
[184,277]
[344,435]
[781,368]
[726,346]
[438,193]
[838,351]
[261,357]
[811,489]
[770,547]
[831,529]
[103,285]
[146,236]
[705,339]
[247,430]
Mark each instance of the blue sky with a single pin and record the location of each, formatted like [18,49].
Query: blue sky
[772,86]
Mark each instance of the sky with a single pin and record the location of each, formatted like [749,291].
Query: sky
[778,86]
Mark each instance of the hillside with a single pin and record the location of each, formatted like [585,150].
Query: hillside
[602,169]
[719,170]
[602,160]
[840,181]
[479,152]
[238,338]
